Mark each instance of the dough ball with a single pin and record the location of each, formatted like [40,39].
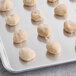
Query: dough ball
[37,15]
[19,36]
[29,2]
[70,26]
[44,30]
[61,10]
[27,54]
[12,20]
[53,1]
[53,47]
[6,5]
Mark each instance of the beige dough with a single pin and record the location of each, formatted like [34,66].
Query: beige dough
[61,10]
[12,20]
[53,47]
[44,30]
[53,1]
[6,5]
[27,54]
[29,2]
[37,15]
[19,36]
[70,26]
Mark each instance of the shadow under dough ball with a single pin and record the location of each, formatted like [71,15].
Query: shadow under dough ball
[27,54]
[70,27]
[61,10]
[53,47]
[53,1]
[19,36]
[6,5]
[29,2]
[12,20]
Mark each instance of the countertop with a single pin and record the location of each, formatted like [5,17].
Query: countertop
[68,69]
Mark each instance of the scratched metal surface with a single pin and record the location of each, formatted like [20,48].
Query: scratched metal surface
[38,44]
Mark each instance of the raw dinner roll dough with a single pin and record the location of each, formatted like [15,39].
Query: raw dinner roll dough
[70,26]
[53,47]
[19,36]
[61,10]
[44,30]
[53,1]
[27,54]
[6,5]
[12,20]
[29,2]
[37,15]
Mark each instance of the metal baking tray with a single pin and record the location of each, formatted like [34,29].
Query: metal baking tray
[10,52]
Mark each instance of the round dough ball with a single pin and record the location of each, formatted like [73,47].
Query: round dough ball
[6,5]
[61,10]
[27,54]
[70,26]
[12,20]
[53,1]
[53,47]
[37,15]
[44,30]
[29,2]
[19,36]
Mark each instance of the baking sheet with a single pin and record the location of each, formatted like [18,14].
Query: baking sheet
[10,52]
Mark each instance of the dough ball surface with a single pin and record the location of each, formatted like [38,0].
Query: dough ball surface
[6,5]
[61,10]
[12,20]
[53,47]
[27,54]
[53,1]
[44,30]
[70,26]
[29,2]
[36,15]
[19,36]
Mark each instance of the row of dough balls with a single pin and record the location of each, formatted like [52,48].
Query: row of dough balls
[33,2]
[27,54]
[37,15]
[61,10]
